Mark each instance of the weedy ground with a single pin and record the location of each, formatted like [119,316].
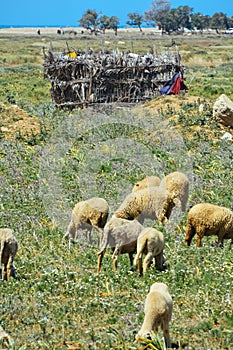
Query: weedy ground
[58,300]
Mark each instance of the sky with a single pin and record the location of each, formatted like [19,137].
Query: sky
[68,12]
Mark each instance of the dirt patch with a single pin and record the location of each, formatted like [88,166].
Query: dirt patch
[15,121]
[172,104]
[175,101]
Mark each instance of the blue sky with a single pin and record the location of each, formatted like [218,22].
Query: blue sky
[63,13]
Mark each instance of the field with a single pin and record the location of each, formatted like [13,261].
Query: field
[51,158]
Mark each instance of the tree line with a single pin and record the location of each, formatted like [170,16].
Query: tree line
[160,15]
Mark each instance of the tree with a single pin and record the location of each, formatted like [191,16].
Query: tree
[90,20]
[104,23]
[177,19]
[183,16]
[230,22]
[200,21]
[156,14]
[170,22]
[219,21]
[114,23]
[135,20]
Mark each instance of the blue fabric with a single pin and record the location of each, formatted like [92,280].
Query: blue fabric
[166,88]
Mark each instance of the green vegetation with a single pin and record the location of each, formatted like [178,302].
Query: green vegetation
[58,300]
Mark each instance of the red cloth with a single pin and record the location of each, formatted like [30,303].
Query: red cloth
[177,86]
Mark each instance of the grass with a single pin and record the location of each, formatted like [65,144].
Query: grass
[58,300]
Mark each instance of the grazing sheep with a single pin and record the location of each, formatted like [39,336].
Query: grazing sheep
[87,214]
[148,203]
[177,184]
[121,235]
[149,181]
[151,243]
[207,219]
[9,248]
[158,312]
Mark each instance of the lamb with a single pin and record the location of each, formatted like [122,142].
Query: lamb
[177,184]
[158,312]
[151,203]
[207,219]
[87,214]
[121,235]
[151,243]
[9,248]
[149,181]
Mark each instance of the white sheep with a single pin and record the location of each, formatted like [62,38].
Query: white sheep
[149,181]
[121,235]
[177,184]
[158,312]
[87,214]
[151,203]
[8,250]
[151,243]
[205,219]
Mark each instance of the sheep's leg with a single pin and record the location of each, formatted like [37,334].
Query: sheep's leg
[159,261]
[198,241]
[220,238]
[88,230]
[100,230]
[200,234]
[5,273]
[10,267]
[138,262]
[166,335]
[100,258]
[131,258]
[2,244]
[147,261]
[140,269]
[117,251]
[190,233]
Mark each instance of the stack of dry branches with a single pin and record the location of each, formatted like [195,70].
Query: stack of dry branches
[80,78]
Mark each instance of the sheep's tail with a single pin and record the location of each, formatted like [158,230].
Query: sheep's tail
[101,253]
[138,257]
[141,247]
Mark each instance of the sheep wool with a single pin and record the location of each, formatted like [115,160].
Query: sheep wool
[9,248]
[121,235]
[158,312]
[206,219]
[148,203]
[151,243]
